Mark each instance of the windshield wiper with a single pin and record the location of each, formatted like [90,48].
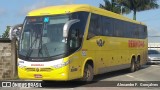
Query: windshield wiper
[47,52]
[30,48]
[45,48]
[40,46]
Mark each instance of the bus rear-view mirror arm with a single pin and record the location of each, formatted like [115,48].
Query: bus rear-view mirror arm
[67,26]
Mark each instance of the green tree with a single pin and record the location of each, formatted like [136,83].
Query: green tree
[139,5]
[113,6]
[6,33]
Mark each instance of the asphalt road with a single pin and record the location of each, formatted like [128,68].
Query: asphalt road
[146,74]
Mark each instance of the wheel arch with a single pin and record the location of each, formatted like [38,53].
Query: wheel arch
[133,57]
[139,57]
[87,61]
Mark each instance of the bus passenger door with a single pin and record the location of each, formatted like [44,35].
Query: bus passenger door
[93,51]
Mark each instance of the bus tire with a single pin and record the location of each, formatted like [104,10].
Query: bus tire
[138,66]
[88,73]
[133,65]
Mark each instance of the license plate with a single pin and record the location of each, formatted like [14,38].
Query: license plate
[37,75]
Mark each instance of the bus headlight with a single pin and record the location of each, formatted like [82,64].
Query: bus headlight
[61,64]
[21,66]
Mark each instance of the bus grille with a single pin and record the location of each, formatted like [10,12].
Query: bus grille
[30,69]
[45,69]
[39,69]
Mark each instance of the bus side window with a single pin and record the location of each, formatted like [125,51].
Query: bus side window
[95,26]
[118,28]
[107,26]
[74,38]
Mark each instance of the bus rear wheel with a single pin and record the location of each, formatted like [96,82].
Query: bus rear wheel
[88,73]
[133,65]
[138,66]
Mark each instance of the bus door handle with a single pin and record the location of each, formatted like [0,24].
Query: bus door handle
[100,42]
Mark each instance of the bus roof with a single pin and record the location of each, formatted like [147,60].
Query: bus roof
[65,9]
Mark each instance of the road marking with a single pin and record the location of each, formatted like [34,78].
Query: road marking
[135,78]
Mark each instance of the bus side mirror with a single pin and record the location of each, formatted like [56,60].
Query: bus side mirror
[15,31]
[67,26]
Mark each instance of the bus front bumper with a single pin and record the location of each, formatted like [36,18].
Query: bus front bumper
[60,74]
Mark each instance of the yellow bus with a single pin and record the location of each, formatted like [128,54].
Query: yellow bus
[69,42]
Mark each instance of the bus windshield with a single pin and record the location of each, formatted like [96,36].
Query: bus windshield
[42,36]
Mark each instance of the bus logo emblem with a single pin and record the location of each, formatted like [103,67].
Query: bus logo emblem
[100,42]
[37,69]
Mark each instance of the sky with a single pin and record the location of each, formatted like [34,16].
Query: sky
[13,12]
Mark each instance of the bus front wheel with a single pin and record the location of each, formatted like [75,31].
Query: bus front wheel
[88,73]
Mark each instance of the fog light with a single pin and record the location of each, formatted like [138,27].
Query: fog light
[63,74]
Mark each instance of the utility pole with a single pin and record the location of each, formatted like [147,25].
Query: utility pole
[112,1]
[118,5]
